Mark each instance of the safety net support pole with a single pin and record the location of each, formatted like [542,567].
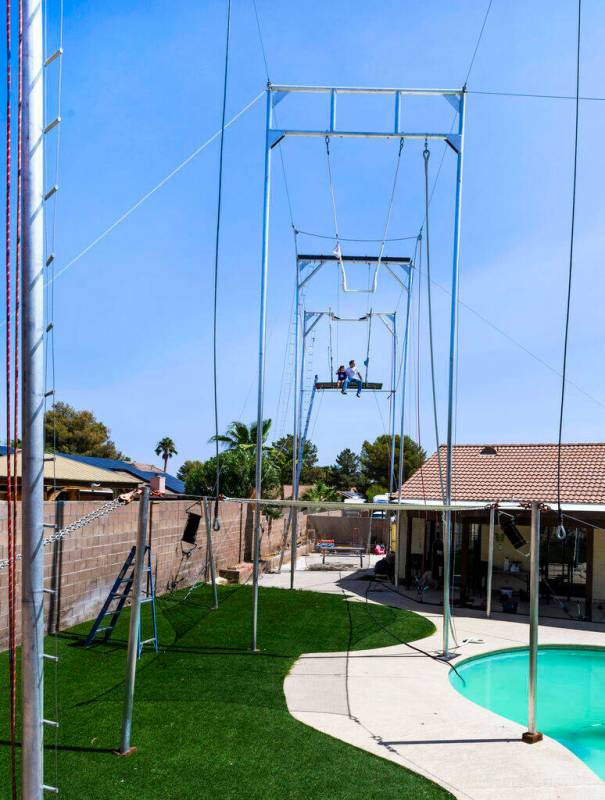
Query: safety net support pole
[210,553]
[135,619]
[532,735]
[262,336]
[295,433]
[447,539]
[33,403]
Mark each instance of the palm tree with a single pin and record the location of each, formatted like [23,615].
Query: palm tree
[166,448]
[240,436]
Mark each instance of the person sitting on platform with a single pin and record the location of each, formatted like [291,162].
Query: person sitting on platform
[353,376]
[341,376]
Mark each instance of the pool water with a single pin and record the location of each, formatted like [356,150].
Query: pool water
[570,700]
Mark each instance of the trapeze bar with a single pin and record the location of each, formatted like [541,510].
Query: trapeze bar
[365,90]
[276,134]
[330,385]
[356,259]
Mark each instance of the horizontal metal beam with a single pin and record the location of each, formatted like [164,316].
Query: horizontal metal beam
[363,90]
[276,135]
[335,506]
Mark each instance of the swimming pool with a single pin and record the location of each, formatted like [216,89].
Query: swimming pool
[570,700]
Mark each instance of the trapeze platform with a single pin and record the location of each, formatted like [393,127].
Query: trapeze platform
[329,385]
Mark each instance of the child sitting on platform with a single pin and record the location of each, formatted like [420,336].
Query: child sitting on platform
[341,376]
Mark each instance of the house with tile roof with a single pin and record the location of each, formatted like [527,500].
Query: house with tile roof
[509,477]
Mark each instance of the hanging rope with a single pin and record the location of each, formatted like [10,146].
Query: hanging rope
[330,354]
[217,486]
[427,201]
[337,249]
[389,209]
[571,261]
[367,359]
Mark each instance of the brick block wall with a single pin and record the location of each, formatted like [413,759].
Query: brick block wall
[82,567]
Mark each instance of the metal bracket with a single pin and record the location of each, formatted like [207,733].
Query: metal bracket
[277,97]
[274,137]
[453,100]
[455,141]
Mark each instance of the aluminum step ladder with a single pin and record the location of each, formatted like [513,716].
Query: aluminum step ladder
[116,599]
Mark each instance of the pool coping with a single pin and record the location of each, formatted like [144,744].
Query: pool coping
[403,707]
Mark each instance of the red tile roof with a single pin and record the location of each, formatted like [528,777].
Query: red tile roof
[522,472]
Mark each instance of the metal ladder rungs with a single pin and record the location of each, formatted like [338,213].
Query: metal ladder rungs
[106,628]
[46,788]
[50,259]
[148,641]
[52,125]
[49,393]
[51,723]
[53,190]
[49,525]
[48,657]
[53,57]
[49,591]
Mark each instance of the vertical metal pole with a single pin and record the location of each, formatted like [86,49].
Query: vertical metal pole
[332,110]
[401,472]
[135,618]
[490,561]
[262,336]
[447,539]
[33,403]
[531,736]
[397,112]
[210,553]
[393,408]
[293,512]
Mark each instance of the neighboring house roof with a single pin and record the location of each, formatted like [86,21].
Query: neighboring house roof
[172,483]
[515,472]
[66,469]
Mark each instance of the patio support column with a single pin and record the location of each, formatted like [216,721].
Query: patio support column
[408,550]
[531,736]
[466,537]
[590,535]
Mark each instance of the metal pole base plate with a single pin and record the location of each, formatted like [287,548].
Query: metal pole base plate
[447,656]
[532,738]
[130,752]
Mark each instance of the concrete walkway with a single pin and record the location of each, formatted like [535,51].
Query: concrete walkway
[400,705]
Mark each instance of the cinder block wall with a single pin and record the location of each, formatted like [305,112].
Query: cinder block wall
[82,567]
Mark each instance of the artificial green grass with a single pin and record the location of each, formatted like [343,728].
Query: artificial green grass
[210,718]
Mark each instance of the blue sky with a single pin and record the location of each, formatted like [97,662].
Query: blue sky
[142,89]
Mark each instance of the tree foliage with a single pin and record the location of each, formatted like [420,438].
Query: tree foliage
[166,448]
[375,459]
[186,468]
[67,430]
[237,475]
[345,472]
[282,450]
[242,436]
[321,492]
